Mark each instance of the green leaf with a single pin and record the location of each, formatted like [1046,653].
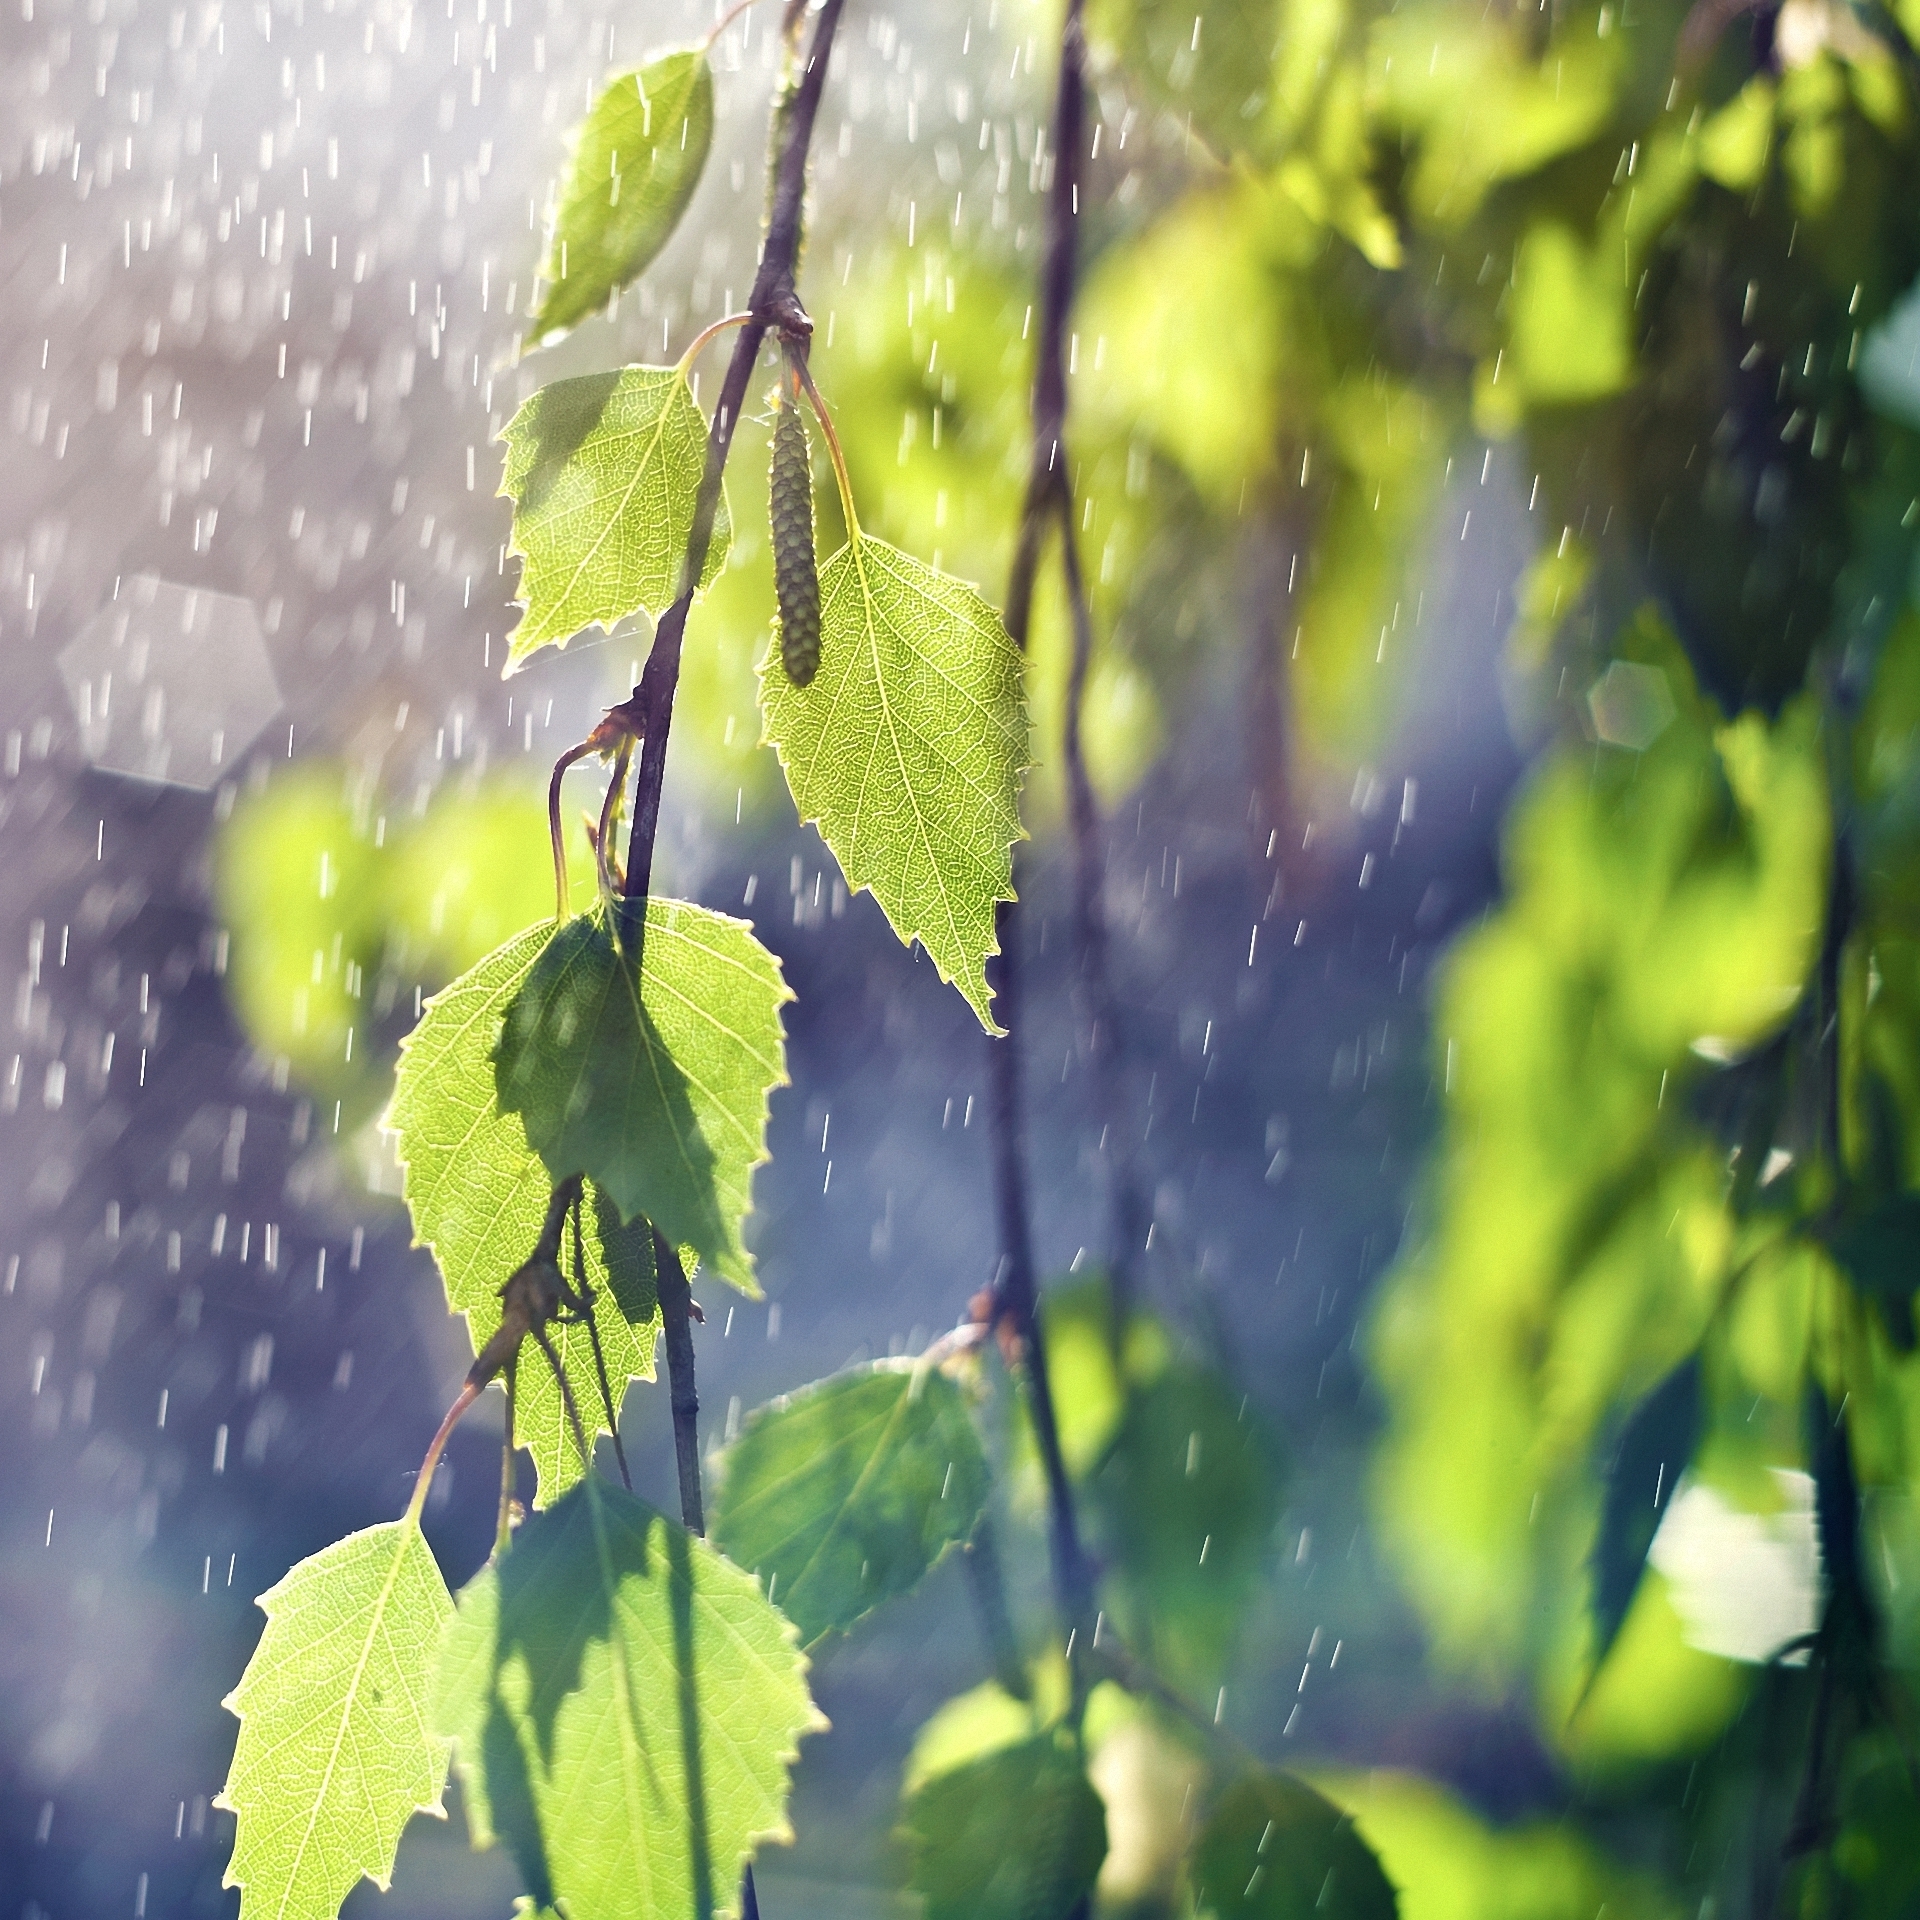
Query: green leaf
[336,1752]
[602,472]
[660,1095]
[1655,1446]
[626,1707]
[1275,1850]
[906,750]
[846,1493]
[1186,1501]
[1017,1835]
[638,159]
[478,1194]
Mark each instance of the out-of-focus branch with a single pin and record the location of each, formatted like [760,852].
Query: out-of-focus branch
[1016,1287]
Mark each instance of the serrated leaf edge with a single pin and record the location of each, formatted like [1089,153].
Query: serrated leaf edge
[441,1743]
[909,936]
[519,652]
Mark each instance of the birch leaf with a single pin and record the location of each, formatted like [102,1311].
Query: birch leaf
[602,471]
[1018,1834]
[336,1752]
[655,1090]
[478,1195]
[906,750]
[626,1707]
[1276,1850]
[635,165]
[847,1492]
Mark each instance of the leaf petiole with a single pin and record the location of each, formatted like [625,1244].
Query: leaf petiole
[467,1396]
[799,365]
[684,366]
[726,20]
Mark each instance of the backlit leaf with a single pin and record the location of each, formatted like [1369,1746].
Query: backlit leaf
[626,1708]
[1016,1835]
[1275,1850]
[602,471]
[638,159]
[336,1750]
[478,1194]
[658,1095]
[845,1493]
[906,750]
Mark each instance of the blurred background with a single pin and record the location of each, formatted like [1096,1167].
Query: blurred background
[1495,438]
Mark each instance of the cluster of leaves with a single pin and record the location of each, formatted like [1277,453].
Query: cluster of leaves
[1669,1243]
[623,1700]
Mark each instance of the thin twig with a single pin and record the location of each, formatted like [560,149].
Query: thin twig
[1016,1289]
[584,1288]
[676,1317]
[1126,1210]
[572,1406]
[503,1530]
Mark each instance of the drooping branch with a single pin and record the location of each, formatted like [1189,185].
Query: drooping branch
[1016,1288]
[1093,985]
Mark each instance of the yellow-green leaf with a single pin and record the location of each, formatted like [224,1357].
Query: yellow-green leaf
[626,1705]
[906,750]
[336,1752]
[602,471]
[635,165]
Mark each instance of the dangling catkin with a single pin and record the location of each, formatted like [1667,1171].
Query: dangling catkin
[796,582]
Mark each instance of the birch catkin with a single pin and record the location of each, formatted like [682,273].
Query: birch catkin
[796,581]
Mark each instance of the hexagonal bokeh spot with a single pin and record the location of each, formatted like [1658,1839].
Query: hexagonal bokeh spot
[1631,705]
[170,683]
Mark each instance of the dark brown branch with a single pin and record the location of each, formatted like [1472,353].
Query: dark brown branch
[676,1319]
[1016,1288]
[774,306]
[1099,1005]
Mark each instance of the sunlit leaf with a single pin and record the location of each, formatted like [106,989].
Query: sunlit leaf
[478,1194]
[1655,1445]
[906,749]
[1016,1835]
[626,1708]
[1276,1850]
[637,159]
[336,1750]
[659,1095]
[845,1493]
[603,471]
